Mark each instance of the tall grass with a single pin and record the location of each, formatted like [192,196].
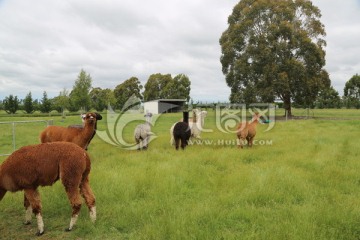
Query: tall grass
[301,182]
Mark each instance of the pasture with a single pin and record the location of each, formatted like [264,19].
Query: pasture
[301,180]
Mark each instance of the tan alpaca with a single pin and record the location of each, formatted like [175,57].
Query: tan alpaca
[247,131]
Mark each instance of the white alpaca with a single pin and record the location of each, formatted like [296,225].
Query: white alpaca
[143,132]
[196,125]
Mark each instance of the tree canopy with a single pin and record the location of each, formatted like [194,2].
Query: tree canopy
[127,89]
[11,104]
[45,106]
[79,96]
[28,104]
[161,86]
[274,49]
[352,91]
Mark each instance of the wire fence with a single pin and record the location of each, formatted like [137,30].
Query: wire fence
[10,132]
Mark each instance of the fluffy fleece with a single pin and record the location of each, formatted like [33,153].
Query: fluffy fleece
[247,131]
[42,165]
[181,132]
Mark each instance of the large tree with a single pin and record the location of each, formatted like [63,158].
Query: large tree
[178,88]
[352,92]
[100,98]
[161,86]
[79,96]
[274,49]
[155,85]
[123,92]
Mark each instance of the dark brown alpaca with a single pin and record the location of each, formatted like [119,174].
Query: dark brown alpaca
[247,131]
[78,135]
[42,165]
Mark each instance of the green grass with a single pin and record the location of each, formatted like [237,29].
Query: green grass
[301,182]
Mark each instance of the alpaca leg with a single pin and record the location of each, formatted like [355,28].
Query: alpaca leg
[137,143]
[239,142]
[75,201]
[71,180]
[177,143]
[172,140]
[2,193]
[28,212]
[250,141]
[183,143]
[145,143]
[33,197]
[242,142]
[89,197]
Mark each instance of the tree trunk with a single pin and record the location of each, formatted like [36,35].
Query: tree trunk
[287,106]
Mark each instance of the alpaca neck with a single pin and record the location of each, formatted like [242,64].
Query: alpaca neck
[88,130]
[90,125]
[254,123]
[194,117]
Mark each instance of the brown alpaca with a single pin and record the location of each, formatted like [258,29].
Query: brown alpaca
[78,135]
[247,131]
[42,165]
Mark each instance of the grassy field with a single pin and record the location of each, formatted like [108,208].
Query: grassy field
[300,181]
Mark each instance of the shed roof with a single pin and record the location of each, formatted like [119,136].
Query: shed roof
[168,100]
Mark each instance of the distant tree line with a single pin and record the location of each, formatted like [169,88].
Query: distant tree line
[85,97]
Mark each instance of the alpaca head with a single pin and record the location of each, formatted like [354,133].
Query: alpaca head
[91,117]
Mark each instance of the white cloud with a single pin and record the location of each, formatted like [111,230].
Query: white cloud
[44,44]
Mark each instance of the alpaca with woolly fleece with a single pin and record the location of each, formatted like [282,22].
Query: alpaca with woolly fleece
[143,132]
[247,131]
[181,132]
[196,124]
[79,136]
[42,165]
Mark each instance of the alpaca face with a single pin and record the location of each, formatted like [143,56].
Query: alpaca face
[87,116]
[90,117]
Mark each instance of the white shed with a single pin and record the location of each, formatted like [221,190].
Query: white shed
[164,106]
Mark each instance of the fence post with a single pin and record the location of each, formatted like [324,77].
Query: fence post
[13,136]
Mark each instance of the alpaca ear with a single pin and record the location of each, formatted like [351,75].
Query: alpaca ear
[98,116]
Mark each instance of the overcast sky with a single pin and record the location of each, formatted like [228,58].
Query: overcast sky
[44,44]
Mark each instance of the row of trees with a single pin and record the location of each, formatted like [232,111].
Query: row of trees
[98,98]
[84,96]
